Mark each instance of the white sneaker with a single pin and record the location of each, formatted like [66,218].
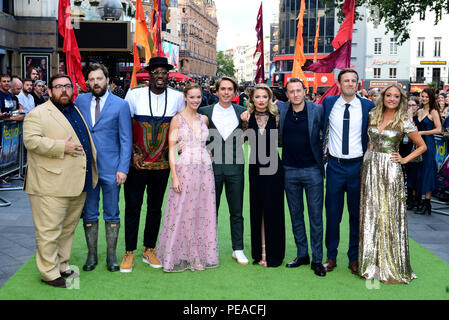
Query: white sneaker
[239,256]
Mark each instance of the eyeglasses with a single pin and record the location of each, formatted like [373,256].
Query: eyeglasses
[156,73]
[65,86]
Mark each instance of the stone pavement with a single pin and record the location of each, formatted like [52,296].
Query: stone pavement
[17,240]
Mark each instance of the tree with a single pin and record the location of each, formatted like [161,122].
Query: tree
[397,14]
[225,65]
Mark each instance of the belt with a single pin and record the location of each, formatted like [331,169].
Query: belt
[343,160]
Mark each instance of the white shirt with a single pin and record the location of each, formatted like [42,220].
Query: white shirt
[225,120]
[139,102]
[26,102]
[355,129]
[93,104]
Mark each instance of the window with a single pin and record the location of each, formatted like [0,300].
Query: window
[377,45]
[376,73]
[420,75]
[394,45]
[393,73]
[421,47]
[437,47]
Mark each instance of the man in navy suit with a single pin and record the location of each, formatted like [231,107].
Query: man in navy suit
[302,159]
[109,120]
[345,126]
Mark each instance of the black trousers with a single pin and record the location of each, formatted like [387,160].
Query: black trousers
[155,181]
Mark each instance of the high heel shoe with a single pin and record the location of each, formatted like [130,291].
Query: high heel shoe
[263,261]
[426,208]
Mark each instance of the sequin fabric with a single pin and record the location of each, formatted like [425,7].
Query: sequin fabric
[383,245]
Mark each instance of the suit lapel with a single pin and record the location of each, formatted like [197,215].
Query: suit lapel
[62,121]
[88,114]
[283,110]
[310,119]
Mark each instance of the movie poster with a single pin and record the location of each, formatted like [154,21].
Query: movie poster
[9,152]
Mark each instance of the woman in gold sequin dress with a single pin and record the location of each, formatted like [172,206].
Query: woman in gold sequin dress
[383,245]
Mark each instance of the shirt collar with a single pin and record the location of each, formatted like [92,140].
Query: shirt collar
[342,102]
[103,97]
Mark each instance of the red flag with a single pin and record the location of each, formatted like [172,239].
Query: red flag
[72,52]
[156,29]
[260,74]
[332,91]
[339,59]
[345,32]
[348,6]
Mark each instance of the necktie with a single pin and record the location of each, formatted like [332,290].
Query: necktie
[97,108]
[345,142]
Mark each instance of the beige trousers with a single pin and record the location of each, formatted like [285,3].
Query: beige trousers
[55,220]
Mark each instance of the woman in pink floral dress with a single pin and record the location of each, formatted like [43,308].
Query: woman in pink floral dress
[188,238]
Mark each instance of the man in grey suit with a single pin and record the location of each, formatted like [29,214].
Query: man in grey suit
[109,121]
[225,135]
[302,158]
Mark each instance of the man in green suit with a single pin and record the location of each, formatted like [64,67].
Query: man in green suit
[225,142]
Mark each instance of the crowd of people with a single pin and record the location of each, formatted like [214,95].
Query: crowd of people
[375,149]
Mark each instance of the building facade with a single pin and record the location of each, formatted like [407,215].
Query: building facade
[199,28]
[288,29]
[376,54]
[245,63]
[429,53]
[28,34]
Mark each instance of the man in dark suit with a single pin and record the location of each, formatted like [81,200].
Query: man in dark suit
[109,121]
[302,158]
[225,135]
[345,125]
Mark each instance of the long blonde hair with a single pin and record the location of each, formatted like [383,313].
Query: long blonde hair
[401,112]
[272,108]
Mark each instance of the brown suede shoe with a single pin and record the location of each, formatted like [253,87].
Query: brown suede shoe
[330,264]
[354,266]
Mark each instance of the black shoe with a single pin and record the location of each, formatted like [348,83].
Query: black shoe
[58,283]
[426,208]
[91,232]
[318,269]
[69,274]
[298,262]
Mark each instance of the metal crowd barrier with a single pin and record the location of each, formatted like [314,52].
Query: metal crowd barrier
[12,155]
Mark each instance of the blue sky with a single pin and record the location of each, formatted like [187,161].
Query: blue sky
[237,21]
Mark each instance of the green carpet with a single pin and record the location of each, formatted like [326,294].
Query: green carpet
[229,280]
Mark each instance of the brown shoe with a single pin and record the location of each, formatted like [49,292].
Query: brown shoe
[330,264]
[58,283]
[127,262]
[150,257]
[354,266]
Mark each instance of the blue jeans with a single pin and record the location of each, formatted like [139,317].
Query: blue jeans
[311,180]
[111,194]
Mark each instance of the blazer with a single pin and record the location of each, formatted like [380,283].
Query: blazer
[51,172]
[315,118]
[112,133]
[328,104]
[227,169]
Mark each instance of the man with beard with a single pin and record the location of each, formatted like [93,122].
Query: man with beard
[25,97]
[152,109]
[38,92]
[61,169]
[109,122]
